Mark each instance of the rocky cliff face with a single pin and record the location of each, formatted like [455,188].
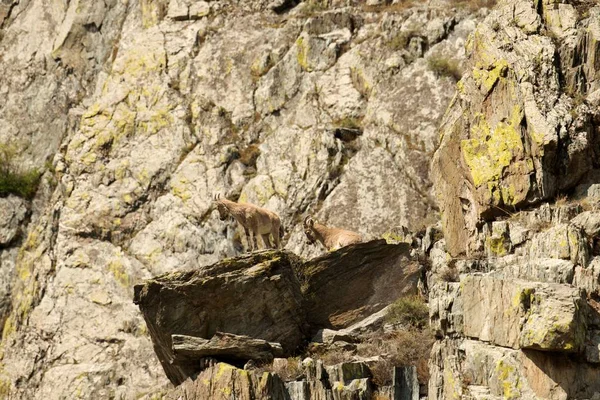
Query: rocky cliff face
[516,312]
[137,112]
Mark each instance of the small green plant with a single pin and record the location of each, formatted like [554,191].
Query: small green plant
[13,179]
[445,67]
[410,311]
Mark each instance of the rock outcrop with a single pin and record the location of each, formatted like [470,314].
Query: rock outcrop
[518,131]
[257,295]
[271,299]
[137,112]
[514,282]
[348,285]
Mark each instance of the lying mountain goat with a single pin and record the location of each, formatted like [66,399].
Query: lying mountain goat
[254,220]
[331,238]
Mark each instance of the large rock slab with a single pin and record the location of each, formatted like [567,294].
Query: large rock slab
[515,374]
[524,315]
[256,295]
[224,345]
[347,285]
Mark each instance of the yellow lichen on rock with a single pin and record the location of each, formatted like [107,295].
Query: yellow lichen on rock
[302,55]
[490,150]
[509,380]
[487,76]
[118,270]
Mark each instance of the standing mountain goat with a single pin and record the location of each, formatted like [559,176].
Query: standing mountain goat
[331,238]
[255,221]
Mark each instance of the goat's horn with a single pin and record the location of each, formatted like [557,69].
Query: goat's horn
[307,219]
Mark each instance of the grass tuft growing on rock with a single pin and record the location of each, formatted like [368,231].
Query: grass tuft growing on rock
[444,67]
[410,311]
[402,347]
[13,179]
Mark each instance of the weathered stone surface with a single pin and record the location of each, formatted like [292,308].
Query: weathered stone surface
[541,269]
[369,324]
[274,315]
[589,221]
[592,347]
[501,135]
[562,241]
[521,314]
[12,213]
[224,346]
[359,389]
[405,383]
[445,370]
[138,117]
[347,372]
[527,374]
[446,309]
[329,336]
[375,273]
[588,277]
[225,380]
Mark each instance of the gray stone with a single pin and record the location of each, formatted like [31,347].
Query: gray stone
[589,221]
[347,372]
[13,211]
[524,315]
[277,317]
[225,346]
[329,336]
[405,383]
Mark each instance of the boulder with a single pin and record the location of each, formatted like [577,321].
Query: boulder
[256,295]
[224,346]
[375,273]
[589,221]
[524,315]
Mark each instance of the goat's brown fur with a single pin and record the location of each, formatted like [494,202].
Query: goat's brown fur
[255,221]
[331,238]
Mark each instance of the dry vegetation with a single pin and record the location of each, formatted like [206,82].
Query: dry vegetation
[409,345]
[390,8]
[445,67]
[403,347]
[409,311]
[13,178]
[474,5]
[449,274]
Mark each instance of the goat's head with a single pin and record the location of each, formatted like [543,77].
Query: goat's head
[223,211]
[308,231]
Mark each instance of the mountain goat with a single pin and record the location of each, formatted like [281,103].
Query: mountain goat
[331,238]
[255,221]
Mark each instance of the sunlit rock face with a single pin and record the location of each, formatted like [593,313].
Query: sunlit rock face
[138,112]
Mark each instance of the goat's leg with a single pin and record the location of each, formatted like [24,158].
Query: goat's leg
[276,237]
[266,241]
[248,241]
[254,240]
